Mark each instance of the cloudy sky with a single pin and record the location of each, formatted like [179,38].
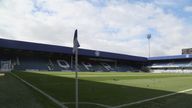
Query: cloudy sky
[117,26]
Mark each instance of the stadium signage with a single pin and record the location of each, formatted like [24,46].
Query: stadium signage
[97,53]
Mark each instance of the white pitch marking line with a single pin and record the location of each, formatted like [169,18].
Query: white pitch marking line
[91,103]
[2,74]
[42,92]
[150,99]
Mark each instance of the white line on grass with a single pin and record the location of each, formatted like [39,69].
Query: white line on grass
[90,103]
[154,98]
[42,92]
[2,74]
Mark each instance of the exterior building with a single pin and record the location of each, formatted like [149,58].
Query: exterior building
[187,51]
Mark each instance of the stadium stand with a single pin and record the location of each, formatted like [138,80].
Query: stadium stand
[177,64]
[32,63]
[28,56]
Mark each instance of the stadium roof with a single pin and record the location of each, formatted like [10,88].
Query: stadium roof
[173,57]
[21,45]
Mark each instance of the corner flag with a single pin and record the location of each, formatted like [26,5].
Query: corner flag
[148,36]
[75,42]
[75,51]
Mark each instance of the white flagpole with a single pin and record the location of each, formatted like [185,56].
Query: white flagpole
[75,50]
[76,78]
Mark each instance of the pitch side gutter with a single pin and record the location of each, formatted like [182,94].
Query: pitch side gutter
[40,91]
[150,99]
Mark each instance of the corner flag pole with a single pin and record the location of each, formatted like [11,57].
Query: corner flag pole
[75,50]
[76,78]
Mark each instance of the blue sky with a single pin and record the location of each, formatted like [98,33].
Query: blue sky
[117,26]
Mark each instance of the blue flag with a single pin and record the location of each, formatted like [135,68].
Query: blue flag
[75,42]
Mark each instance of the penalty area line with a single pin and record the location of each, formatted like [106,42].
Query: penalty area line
[150,99]
[40,91]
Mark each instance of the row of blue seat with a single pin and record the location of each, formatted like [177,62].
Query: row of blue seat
[64,65]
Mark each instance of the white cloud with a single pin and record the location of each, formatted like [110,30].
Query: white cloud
[117,27]
[188,8]
[167,2]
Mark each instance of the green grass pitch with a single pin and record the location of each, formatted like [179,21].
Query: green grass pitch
[14,94]
[113,89]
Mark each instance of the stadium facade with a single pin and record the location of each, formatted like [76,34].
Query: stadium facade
[28,56]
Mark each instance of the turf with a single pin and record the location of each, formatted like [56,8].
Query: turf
[15,94]
[114,88]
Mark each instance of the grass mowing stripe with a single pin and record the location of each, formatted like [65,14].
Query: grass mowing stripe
[42,92]
[150,99]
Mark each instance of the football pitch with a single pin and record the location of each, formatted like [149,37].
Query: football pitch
[115,89]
